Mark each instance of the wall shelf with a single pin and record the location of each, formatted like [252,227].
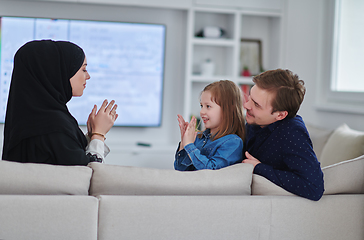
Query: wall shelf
[265,25]
[213,42]
[208,79]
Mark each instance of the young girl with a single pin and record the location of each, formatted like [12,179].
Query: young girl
[221,144]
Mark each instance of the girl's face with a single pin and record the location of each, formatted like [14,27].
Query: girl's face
[78,81]
[210,112]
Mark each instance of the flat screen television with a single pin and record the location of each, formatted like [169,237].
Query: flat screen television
[125,62]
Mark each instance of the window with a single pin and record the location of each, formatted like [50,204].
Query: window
[348,47]
[342,81]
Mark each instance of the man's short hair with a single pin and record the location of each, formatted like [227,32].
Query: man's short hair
[288,88]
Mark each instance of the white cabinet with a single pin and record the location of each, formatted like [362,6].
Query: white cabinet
[172,4]
[175,4]
[275,5]
[224,52]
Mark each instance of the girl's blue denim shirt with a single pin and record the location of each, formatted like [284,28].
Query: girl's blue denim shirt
[207,154]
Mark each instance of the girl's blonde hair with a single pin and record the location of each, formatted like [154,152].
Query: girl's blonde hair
[228,96]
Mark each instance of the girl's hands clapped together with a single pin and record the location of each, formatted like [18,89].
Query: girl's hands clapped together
[188,131]
[182,126]
[102,121]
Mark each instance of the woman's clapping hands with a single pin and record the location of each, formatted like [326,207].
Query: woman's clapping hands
[101,121]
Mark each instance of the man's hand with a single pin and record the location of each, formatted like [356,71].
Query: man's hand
[250,159]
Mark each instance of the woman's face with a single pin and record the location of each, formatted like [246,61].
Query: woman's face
[78,81]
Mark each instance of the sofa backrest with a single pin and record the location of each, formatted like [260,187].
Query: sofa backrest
[123,180]
[319,137]
[43,179]
[345,177]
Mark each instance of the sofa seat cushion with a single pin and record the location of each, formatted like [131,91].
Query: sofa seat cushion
[184,217]
[124,180]
[43,179]
[334,217]
[44,217]
[343,144]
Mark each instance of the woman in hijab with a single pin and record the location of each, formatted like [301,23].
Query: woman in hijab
[38,126]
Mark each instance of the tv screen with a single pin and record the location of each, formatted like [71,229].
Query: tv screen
[125,62]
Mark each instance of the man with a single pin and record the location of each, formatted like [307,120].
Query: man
[278,144]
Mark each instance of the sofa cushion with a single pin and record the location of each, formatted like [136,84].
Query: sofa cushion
[334,217]
[45,217]
[43,179]
[345,177]
[262,186]
[343,144]
[185,217]
[319,137]
[124,180]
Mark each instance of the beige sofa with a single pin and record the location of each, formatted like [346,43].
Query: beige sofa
[101,201]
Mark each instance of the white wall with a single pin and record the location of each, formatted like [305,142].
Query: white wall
[307,53]
[301,50]
[122,138]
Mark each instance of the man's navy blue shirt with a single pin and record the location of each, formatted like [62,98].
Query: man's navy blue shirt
[285,151]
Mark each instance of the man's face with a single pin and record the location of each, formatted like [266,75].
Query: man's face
[259,108]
